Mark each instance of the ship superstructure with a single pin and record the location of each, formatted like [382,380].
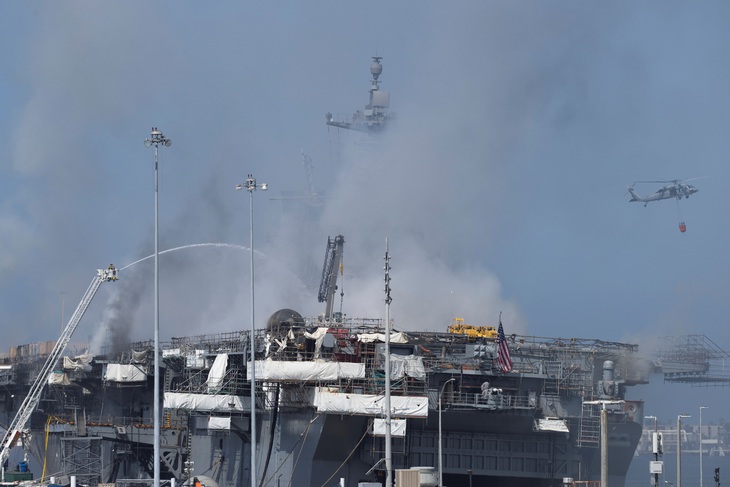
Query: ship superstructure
[375,116]
[319,393]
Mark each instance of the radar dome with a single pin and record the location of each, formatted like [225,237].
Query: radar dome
[376,68]
[282,320]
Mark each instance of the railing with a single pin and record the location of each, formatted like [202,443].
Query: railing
[487,400]
[168,421]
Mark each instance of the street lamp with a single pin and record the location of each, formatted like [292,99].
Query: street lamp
[701,408]
[679,447]
[441,456]
[157,138]
[250,185]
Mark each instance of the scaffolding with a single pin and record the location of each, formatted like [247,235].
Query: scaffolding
[694,360]
[81,458]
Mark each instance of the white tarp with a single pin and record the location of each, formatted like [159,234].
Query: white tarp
[397,427]
[124,373]
[216,423]
[58,378]
[318,337]
[410,365]
[552,424]
[380,337]
[139,357]
[275,370]
[80,362]
[206,402]
[280,343]
[217,372]
[370,404]
[171,352]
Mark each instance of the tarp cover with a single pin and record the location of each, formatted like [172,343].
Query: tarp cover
[380,337]
[124,373]
[171,352]
[80,362]
[552,424]
[318,337]
[139,357]
[276,370]
[58,378]
[397,427]
[217,372]
[410,365]
[216,423]
[206,402]
[370,404]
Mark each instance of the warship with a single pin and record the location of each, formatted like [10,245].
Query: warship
[467,404]
[530,419]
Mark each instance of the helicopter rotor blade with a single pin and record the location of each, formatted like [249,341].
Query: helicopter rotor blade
[672,181]
[693,179]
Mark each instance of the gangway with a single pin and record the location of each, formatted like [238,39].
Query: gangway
[31,400]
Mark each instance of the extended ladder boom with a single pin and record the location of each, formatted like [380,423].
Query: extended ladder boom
[328,285]
[31,400]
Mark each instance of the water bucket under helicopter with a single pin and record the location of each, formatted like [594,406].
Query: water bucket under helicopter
[682,227]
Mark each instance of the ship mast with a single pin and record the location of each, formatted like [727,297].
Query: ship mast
[388,299]
[375,117]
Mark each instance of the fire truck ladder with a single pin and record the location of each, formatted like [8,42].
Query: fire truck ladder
[31,400]
[328,285]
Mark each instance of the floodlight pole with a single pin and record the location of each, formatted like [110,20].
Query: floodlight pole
[441,458]
[604,434]
[388,410]
[679,447]
[701,408]
[157,138]
[250,185]
[656,453]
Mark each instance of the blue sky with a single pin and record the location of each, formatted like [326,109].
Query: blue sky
[501,187]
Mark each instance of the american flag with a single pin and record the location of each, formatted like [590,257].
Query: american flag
[503,358]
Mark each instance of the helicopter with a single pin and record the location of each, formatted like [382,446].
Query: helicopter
[676,188]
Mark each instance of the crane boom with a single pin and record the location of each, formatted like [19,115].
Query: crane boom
[328,285]
[31,400]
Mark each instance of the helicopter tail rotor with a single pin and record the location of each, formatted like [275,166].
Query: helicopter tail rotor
[634,195]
